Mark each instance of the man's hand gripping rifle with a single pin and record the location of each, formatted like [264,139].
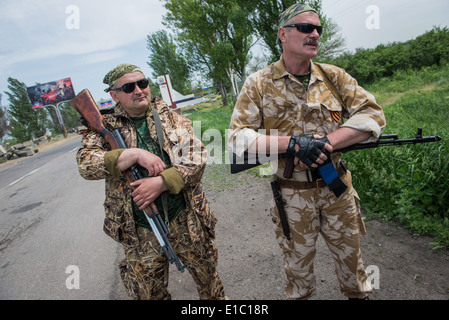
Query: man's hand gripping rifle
[87,108]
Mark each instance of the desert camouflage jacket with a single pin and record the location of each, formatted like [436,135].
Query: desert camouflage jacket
[187,155]
[272,101]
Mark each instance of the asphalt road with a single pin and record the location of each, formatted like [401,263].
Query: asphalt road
[52,245]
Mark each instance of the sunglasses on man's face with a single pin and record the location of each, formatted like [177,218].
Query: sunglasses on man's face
[306,27]
[131,86]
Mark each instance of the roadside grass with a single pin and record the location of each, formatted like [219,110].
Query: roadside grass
[409,183]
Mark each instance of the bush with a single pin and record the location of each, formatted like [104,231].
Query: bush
[370,65]
[409,183]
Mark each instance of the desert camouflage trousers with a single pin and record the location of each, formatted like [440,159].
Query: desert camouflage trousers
[317,211]
[145,272]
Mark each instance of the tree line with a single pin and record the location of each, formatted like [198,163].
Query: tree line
[370,65]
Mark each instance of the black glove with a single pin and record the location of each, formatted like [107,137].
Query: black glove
[309,148]
[325,140]
[327,153]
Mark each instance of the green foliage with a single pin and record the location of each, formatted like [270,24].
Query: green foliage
[26,123]
[410,183]
[215,36]
[166,58]
[4,123]
[370,65]
[213,116]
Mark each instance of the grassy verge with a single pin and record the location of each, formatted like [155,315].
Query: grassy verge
[410,183]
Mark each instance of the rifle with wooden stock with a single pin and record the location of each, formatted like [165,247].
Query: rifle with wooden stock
[87,108]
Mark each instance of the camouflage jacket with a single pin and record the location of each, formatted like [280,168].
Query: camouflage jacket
[187,155]
[276,102]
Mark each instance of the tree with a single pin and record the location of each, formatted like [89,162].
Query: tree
[332,43]
[26,123]
[215,34]
[154,89]
[166,58]
[4,123]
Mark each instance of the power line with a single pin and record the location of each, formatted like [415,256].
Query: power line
[349,9]
[333,3]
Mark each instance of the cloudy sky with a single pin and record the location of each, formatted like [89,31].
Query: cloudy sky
[47,40]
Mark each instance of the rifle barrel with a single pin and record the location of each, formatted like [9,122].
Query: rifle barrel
[388,136]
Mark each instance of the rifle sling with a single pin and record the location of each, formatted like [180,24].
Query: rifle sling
[160,138]
[330,85]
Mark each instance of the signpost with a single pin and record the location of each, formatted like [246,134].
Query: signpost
[52,94]
[174,99]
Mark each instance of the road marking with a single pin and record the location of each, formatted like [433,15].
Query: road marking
[28,174]
[74,149]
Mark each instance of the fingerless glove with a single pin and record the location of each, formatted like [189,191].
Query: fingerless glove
[309,148]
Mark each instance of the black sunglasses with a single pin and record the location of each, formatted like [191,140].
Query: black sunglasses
[306,27]
[131,86]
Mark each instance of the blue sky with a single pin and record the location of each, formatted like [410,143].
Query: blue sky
[41,41]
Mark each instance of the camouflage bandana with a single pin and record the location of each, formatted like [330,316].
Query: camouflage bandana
[293,11]
[112,76]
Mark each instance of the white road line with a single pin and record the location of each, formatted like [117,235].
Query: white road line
[28,174]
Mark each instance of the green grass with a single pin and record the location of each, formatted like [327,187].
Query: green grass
[410,183]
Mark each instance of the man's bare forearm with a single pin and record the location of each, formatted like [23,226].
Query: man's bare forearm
[345,137]
[269,144]
[146,159]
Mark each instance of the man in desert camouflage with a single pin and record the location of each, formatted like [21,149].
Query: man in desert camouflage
[301,115]
[174,170]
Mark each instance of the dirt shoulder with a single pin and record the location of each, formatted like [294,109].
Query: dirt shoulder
[250,262]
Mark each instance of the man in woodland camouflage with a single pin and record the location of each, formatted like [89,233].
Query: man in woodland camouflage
[301,115]
[175,171]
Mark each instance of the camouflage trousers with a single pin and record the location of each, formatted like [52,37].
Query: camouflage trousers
[317,211]
[145,272]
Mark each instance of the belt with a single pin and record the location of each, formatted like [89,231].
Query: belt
[298,185]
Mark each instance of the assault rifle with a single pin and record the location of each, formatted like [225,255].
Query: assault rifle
[248,161]
[87,108]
